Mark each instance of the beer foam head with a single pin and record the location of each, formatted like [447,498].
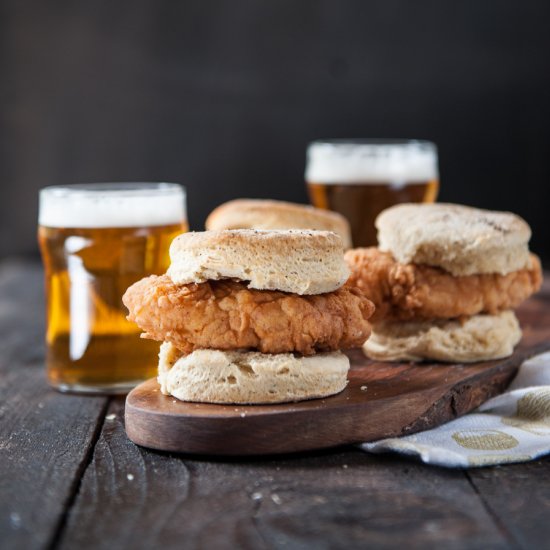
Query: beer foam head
[112,205]
[371,161]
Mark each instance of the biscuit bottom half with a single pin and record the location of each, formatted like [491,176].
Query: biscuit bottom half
[246,377]
[478,338]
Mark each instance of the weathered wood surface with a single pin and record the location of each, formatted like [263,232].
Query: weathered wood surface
[76,481]
[45,438]
[133,497]
[518,497]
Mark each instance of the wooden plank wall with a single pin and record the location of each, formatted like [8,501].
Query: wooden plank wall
[224,96]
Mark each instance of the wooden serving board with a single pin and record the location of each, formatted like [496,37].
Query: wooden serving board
[381,400]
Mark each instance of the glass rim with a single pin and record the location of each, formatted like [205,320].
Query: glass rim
[370,159]
[374,142]
[124,204]
[124,188]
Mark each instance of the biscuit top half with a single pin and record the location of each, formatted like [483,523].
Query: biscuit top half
[459,239]
[297,261]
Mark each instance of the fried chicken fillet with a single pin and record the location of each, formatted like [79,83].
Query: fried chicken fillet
[410,291]
[226,315]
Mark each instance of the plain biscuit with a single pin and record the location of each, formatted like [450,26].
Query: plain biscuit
[459,239]
[298,261]
[271,214]
[212,376]
[479,338]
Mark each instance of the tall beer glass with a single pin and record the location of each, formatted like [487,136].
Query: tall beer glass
[360,178]
[96,240]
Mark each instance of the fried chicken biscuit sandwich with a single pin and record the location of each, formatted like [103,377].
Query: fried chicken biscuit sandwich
[249,316]
[445,280]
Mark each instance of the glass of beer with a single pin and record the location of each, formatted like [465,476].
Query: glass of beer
[360,178]
[96,240]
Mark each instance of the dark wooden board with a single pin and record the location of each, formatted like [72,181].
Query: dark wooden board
[399,399]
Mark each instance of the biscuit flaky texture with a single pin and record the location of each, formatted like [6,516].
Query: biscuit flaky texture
[271,214]
[479,338]
[237,377]
[298,261]
[459,239]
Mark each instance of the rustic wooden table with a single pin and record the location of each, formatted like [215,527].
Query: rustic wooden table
[69,477]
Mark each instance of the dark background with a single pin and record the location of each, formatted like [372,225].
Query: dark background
[224,95]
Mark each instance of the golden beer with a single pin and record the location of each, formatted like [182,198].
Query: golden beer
[90,345]
[360,178]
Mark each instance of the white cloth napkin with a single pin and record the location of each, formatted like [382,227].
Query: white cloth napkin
[512,427]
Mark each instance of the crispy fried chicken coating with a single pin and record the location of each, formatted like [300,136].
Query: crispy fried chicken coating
[409,291]
[227,315]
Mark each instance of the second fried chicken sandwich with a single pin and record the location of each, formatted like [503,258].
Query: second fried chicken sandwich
[250,316]
[445,280]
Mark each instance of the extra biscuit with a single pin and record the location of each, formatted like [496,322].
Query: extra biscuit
[271,214]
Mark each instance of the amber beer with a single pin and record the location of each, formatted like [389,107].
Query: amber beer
[360,178]
[96,240]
